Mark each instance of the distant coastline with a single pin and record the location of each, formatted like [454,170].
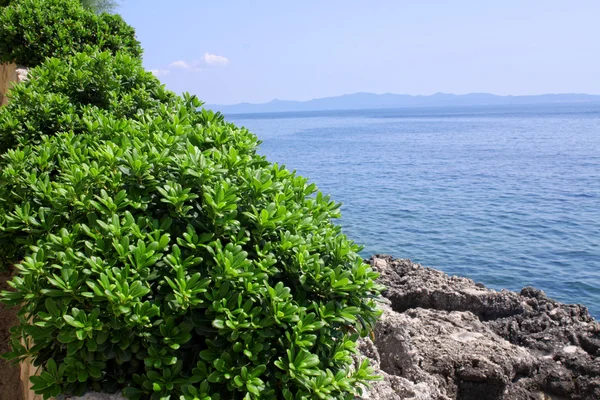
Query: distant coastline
[357,101]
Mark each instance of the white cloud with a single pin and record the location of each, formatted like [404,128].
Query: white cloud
[208,59]
[160,72]
[214,60]
[184,65]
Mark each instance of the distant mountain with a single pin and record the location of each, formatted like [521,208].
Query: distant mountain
[390,100]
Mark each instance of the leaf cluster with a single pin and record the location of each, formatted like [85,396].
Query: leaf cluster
[33,30]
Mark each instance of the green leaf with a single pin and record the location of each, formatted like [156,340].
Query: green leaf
[72,321]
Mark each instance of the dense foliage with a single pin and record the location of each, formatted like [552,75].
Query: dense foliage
[61,93]
[160,254]
[33,30]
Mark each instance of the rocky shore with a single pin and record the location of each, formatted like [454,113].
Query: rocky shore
[443,337]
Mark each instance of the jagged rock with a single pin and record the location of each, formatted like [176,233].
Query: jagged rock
[411,286]
[463,357]
[443,355]
[393,386]
[444,337]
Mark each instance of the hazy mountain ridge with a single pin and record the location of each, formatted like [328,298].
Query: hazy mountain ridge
[390,100]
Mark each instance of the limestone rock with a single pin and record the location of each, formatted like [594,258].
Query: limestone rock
[444,337]
[411,286]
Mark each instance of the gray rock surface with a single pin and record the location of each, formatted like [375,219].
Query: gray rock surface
[444,337]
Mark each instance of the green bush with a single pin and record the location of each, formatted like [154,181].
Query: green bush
[160,254]
[61,94]
[33,30]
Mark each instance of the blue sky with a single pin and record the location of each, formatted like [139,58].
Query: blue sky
[254,51]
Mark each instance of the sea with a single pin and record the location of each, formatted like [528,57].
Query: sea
[508,196]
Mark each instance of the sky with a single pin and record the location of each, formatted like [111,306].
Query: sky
[227,52]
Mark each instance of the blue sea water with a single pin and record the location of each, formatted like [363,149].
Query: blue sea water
[506,195]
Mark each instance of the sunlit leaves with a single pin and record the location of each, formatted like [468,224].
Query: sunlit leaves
[160,254]
[33,30]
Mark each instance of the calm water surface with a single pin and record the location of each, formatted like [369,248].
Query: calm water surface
[507,196]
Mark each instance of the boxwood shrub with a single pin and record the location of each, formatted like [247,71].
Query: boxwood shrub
[33,30]
[159,254]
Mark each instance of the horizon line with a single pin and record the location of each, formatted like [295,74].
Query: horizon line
[410,95]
